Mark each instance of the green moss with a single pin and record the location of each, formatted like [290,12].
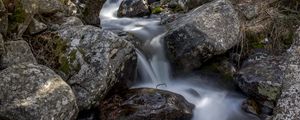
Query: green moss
[19,14]
[157,10]
[64,65]
[271,92]
[73,55]
[52,51]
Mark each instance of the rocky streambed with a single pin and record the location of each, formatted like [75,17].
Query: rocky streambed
[149,60]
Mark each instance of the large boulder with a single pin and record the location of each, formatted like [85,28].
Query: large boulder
[95,61]
[89,11]
[261,78]
[134,8]
[288,106]
[16,52]
[146,104]
[35,92]
[208,30]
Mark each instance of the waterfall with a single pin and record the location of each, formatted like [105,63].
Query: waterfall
[154,69]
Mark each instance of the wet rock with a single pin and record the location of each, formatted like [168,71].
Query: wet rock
[34,92]
[261,79]
[208,30]
[16,52]
[133,8]
[3,18]
[146,104]
[89,11]
[95,61]
[36,27]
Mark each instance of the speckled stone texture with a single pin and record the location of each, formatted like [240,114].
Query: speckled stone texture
[133,8]
[35,92]
[208,30]
[16,52]
[100,60]
[288,106]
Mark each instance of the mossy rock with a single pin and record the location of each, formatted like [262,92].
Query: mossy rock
[156,10]
[51,50]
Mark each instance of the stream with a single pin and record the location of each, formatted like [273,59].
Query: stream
[211,101]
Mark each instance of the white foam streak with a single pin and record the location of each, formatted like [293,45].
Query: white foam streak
[154,69]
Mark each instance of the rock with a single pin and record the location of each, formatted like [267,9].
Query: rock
[64,22]
[288,106]
[95,61]
[250,106]
[3,18]
[48,6]
[89,11]
[70,21]
[146,104]
[261,79]
[185,5]
[167,18]
[34,92]
[23,11]
[36,27]
[16,52]
[208,30]
[133,8]
[249,8]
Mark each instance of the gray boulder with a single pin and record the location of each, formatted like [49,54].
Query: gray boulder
[208,30]
[288,106]
[146,104]
[261,79]
[16,52]
[89,11]
[250,9]
[275,79]
[96,60]
[36,27]
[35,92]
[134,8]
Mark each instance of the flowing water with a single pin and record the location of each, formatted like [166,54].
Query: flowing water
[212,102]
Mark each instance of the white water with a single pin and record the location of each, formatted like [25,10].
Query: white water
[154,71]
